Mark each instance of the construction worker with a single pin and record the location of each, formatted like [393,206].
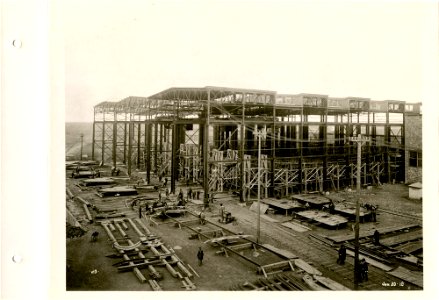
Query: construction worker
[364,270]
[202,217]
[222,212]
[134,203]
[341,255]
[331,208]
[180,195]
[200,256]
[376,237]
[94,236]
[373,210]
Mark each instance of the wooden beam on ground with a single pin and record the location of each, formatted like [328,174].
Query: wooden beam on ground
[88,214]
[312,284]
[143,226]
[284,253]
[136,271]
[165,263]
[410,247]
[369,233]
[83,201]
[274,267]
[306,267]
[331,284]
[370,261]
[141,265]
[193,271]
[69,193]
[139,233]
[123,233]
[154,285]
[242,246]
[402,238]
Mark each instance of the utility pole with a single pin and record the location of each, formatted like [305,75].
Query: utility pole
[259,187]
[82,142]
[360,141]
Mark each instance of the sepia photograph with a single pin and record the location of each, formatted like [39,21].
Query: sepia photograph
[218,148]
[244,146]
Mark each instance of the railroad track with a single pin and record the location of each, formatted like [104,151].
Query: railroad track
[400,214]
[324,258]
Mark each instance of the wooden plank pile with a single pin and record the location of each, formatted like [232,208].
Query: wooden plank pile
[117,191]
[333,221]
[410,247]
[369,233]
[97,182]
[278,282]
[402,238]
[284,253]
[277,267]
[134,258]
[295,226]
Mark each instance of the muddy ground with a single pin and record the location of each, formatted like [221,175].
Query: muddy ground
[88,268]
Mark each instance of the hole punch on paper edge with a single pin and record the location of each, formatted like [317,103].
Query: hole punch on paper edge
[16,43]
[17,259]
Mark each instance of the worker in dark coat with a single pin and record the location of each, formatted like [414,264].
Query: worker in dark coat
[222,212]
[376,237]
[180,195]
[373,210]
[200,256]
[94,236]
[341,255]
[364,270]
[202,217]
[331,208]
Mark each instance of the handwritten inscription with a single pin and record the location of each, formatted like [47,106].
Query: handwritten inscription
[392,283]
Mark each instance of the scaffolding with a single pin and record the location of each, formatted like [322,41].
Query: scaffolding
[208,135]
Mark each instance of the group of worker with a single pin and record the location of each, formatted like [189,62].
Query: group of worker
[373,211]
[363,267]
[115,171]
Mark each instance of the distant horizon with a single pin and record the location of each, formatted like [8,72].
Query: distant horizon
[78,122]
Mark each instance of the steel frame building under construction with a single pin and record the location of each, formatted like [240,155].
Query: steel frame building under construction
[210,135]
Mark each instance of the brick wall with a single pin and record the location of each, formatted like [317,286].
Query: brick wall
[412,174]
[413,142]
[413,132]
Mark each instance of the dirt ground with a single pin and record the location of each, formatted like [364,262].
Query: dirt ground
[88,268]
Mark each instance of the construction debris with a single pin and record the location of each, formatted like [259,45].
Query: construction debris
[73,232]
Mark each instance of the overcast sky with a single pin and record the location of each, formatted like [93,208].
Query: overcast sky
[115,49]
